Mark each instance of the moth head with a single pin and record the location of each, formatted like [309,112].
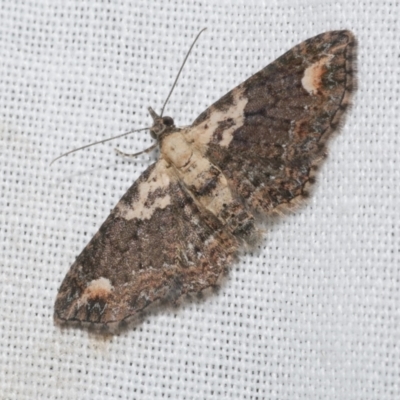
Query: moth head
[161,125]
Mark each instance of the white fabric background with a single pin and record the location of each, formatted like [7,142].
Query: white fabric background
[314,314]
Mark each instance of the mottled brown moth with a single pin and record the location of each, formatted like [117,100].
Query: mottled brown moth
[253,152]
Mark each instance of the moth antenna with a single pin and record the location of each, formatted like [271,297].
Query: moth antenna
[100,141]
[121,153]
[137,130]
[180,70]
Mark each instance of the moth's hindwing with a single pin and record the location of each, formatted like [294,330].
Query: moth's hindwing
[179,226]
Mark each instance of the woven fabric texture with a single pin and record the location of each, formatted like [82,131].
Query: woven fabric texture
[313,313]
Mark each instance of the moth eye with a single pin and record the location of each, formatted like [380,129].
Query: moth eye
[168,121]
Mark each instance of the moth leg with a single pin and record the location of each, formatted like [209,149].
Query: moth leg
[148,150]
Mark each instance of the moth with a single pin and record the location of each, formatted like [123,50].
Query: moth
[254,152]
